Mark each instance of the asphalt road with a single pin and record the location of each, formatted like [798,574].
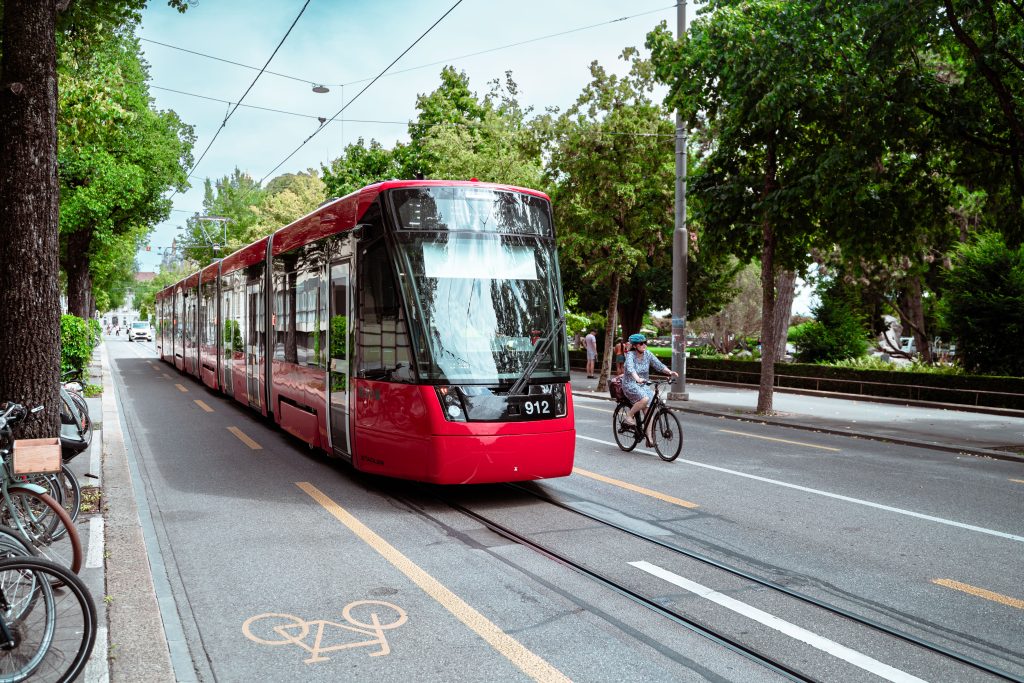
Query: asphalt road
[266,544]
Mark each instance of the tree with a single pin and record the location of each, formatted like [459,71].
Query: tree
[117,157]
[30,334]
[360,165]
[287,198]
[983,306]
[739,318]
[837,332]
[237,198]
[29,365]
[612,168]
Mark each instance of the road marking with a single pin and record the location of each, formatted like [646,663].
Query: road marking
[827,646]
[288,629]
[772,438]
[980,592]
[94,558]
[182,388]
[836,496]
[202,404]
[1019,481]
[166,375]
[243,437]
[529,663]
[638,489]
[97,669]
[600,410]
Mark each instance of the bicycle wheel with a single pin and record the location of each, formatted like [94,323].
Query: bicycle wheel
[70,492]
[40,517]
[668,435]
[13,544]
[53,630]
[625,435]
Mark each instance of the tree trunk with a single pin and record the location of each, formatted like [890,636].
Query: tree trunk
[609,332]
[633,310]
[765,393]
[76,265]
[913,314]
[785,287]
[30,300]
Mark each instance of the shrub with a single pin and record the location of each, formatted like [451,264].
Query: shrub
[96,331]
[76,344]
[836,332]
[983,305]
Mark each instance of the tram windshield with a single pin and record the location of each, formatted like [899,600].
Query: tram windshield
[481,301]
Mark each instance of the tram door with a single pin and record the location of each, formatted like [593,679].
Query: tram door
[340,363]
[254,337]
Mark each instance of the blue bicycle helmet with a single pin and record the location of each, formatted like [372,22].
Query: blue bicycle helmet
[637,339]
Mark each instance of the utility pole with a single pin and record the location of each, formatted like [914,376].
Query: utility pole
[680,246]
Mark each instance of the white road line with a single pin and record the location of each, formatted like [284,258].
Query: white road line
[827,646]
[96,670]
[94,558]
[836,496]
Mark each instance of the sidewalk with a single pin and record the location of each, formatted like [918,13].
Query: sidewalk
[947,429]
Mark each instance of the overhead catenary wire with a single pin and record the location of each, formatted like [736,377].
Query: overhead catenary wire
[375,79]
[247,90]
[421,66]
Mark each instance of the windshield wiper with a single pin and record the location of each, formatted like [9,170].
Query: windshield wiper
[539,349]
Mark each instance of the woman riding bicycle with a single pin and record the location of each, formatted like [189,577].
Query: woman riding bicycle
[638,363]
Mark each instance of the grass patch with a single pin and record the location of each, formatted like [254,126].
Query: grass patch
[93,390]
[92,496]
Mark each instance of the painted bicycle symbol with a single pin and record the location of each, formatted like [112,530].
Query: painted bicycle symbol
[328,636]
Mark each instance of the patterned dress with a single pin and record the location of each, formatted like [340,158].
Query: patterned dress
[641,365]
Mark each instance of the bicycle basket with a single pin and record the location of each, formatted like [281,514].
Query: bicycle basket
[36,456]
[615,388]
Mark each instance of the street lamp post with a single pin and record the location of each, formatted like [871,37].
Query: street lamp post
[680,246]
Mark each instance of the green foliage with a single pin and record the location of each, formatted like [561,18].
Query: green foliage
[835,334]
[983,305]
[876,363]
[360,165]
[232,338]
[76,344]
[236,197]
[96,330]
[92,390]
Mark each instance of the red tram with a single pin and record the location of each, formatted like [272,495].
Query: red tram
[411,327]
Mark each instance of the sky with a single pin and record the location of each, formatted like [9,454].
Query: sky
[343,45]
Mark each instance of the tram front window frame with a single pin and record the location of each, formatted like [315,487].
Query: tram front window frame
[479,300]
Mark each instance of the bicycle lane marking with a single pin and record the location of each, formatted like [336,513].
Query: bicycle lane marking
[827,494]
[529,663]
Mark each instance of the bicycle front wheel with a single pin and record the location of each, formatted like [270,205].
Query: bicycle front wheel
[626,436]
[47,526]
[668,435]
[53,629]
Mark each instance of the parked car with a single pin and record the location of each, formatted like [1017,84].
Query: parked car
[140,330]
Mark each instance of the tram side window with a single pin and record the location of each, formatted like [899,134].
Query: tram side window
[383,335]
[300,308]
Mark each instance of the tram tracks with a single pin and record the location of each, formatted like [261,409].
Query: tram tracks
[970,668]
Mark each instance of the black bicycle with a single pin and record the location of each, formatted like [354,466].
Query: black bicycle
[666,431]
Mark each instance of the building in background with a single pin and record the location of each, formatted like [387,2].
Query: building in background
[123,317]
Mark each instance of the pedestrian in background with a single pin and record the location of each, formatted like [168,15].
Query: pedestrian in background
[590,342]
[620,356]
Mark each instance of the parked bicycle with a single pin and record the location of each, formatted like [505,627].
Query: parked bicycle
[47,621]
[666,431]
[26,506]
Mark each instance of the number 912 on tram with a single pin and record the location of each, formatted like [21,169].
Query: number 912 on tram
[414,328]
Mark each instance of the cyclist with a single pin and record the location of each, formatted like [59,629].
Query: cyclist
[638,363]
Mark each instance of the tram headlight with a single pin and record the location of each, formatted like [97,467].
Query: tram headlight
[451,404]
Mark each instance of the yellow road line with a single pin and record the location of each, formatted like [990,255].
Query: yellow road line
[244,438]
[202,404]
[182,388]
[980,592]
[1019,481]
[638,489]
[166,375]
[532,665]
[770,438]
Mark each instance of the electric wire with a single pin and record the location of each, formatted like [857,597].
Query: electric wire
[375,79]
[251,85]
[421,66]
